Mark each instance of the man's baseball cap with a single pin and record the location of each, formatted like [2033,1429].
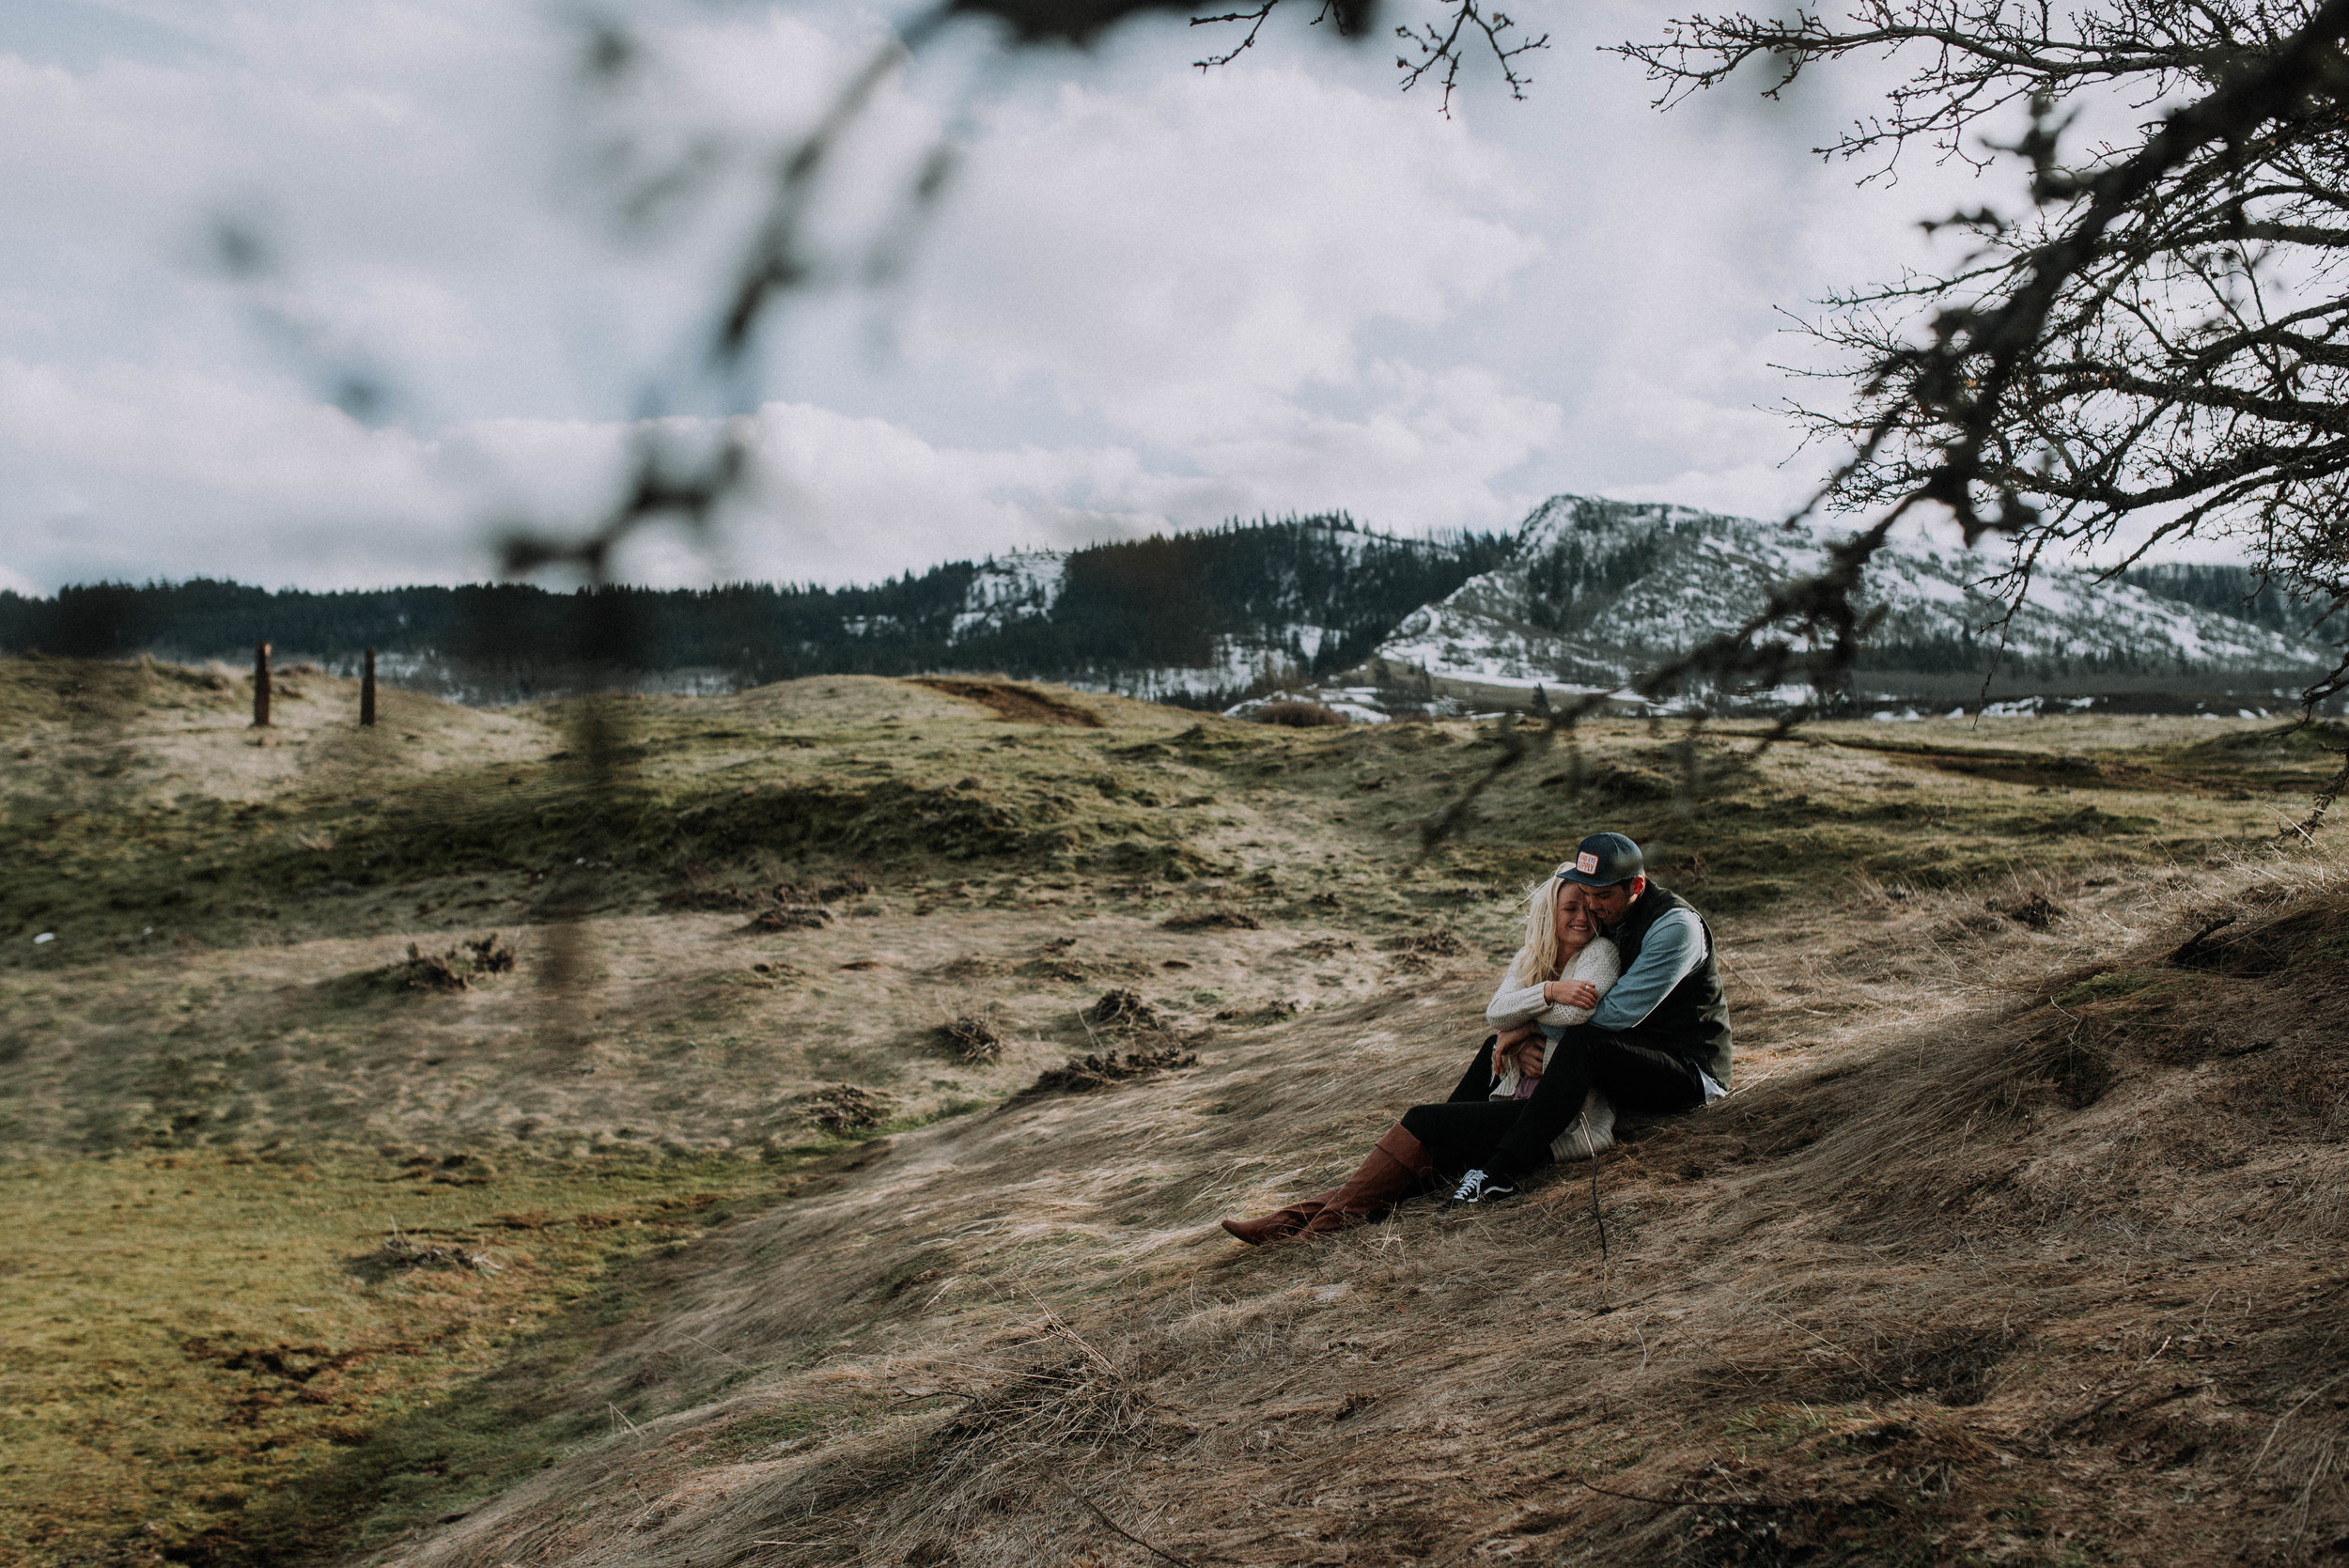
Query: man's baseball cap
[1602,860]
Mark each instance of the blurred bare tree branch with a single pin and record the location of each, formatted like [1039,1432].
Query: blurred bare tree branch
[2162,335]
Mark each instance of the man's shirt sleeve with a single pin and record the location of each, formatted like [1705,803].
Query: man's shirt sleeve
[1675,946]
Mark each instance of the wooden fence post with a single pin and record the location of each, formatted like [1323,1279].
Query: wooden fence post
[366,692]
[260,686]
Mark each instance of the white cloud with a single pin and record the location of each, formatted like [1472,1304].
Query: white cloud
[1747,489]
[1153,299]
[855,499]
[1188,271]
[124,472]
[1191,257]
[1426,452]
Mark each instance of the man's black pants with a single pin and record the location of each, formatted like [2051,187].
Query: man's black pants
[1508,1138]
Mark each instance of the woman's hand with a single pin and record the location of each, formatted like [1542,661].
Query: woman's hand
[1510,1042]
[1520,1046]
[1570,993]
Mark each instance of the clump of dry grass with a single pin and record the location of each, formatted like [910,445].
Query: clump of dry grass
[1430,944]
[790,916]
[1299,715]
[400,1250]
[845,1107]
[972,1038]
[1101,1068]
[1120,1008]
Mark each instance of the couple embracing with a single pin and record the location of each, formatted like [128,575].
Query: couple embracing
[1614,1001]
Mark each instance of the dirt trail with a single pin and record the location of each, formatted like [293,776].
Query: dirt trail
[1020,704]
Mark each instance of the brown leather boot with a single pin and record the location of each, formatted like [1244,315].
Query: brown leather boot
[1392,1174]
[1279,1222]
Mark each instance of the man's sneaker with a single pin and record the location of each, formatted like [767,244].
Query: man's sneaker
[1478,1188]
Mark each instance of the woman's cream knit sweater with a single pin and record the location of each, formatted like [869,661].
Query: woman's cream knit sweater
[1519,1003]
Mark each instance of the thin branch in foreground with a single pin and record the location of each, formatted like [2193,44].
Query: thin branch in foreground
[1121,1530]
[1441,46]
[1255,21]
[2332,790]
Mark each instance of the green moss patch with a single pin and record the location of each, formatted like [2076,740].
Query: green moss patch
[195,1339]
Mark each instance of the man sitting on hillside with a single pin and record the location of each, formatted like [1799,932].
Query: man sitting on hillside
[1659,1038]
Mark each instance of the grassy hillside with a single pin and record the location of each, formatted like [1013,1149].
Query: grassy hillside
[697,1214]
[2015,1247]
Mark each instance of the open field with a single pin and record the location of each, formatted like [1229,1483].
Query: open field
[650,1254]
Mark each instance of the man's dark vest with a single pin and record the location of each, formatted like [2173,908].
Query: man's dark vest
[1692,1020]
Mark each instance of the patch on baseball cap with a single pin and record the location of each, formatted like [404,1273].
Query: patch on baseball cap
[1602,860]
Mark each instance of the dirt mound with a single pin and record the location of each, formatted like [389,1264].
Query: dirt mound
[790,916]
[1083,1073]
[1021,705]
[845,1108]
[454,971]
[1212,920]
[1124,1009]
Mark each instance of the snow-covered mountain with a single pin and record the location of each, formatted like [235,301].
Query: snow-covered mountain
[1597,591]
[1585,593]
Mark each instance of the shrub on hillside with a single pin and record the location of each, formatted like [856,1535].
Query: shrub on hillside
[1299,715]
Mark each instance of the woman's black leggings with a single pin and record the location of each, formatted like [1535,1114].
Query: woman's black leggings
[1508,1138]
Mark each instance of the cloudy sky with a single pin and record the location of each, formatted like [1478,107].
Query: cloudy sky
[1152,297]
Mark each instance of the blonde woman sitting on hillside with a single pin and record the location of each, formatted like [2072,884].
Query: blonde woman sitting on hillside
[1552,985]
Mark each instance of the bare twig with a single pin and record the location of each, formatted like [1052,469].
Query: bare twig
[1121,1530]
[2302,1404]
[1677,1502]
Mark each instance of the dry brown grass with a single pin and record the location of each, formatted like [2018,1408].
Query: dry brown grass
[1926,1288]
[1016,1336]
[688,1032]
[91,733]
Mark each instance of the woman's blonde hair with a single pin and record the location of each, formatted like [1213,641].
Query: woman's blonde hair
[1537,962]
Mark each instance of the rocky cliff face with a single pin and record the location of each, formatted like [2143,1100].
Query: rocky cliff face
[1598,591]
